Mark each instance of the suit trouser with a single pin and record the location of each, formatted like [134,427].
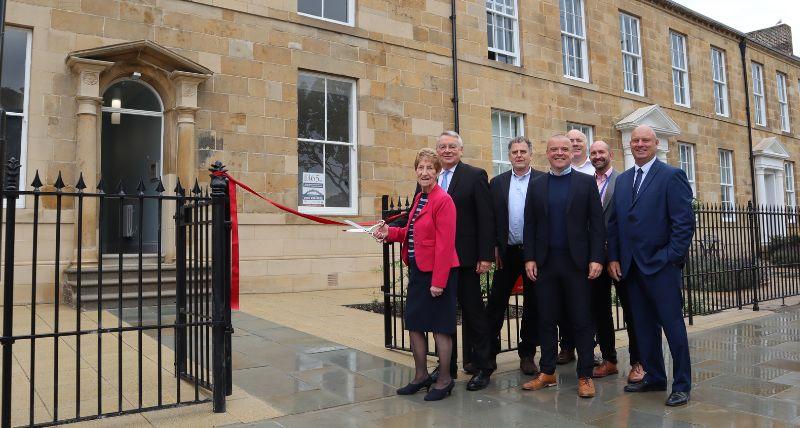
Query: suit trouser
[475,329]
[502,285]
[656,304]
[604,320]
[562,285]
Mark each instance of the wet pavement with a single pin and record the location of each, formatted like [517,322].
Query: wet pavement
[745,374]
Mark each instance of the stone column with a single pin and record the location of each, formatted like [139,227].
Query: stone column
[185,110]
[88,97]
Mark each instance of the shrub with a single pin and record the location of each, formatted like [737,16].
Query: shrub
[719,273]
[783,250]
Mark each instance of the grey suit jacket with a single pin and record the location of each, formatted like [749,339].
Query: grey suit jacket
[608,197]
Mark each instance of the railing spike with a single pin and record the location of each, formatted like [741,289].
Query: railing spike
[81,184]
[121,187]
[59,182]
[196,187]
[37,182]
[140,187]
[178,188]
[101,186]
[391,204]
[160,186]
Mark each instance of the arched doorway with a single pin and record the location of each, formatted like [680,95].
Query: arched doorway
[131,147]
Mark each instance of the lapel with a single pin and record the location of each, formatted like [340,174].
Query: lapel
[572,188]
[654,169]
[505,187]
[609,195]
[451,187]
[543,191]
[626,183]
[431,197]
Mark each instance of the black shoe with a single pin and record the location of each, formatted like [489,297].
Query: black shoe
[413,388]
[479,381]
[471,369]
[439,394]
[677,399]
[645,386]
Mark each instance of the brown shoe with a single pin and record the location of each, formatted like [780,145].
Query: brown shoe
[637,373]
[528,366]
[606,368]
[585,387]
[565,356]
[540,382]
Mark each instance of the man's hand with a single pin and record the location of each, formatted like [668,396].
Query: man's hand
[531,270]
[436,291]
[614,270]
[595,269]
[483,266]
[497,262]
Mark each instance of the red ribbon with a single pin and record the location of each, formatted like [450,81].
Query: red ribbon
[232,183]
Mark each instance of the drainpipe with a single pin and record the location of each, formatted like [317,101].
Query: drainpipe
[455,65]
[743,50]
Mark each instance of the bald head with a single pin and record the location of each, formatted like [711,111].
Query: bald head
[600,155]
[644,144]
[577,140]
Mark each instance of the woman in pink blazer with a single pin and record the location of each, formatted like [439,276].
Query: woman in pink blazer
[429,240]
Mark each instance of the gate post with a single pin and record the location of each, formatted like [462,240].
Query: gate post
[180,281]
[11,193]
[755,248]
[387,304]
[219,286]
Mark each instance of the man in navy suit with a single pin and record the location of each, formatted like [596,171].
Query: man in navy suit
[648,237]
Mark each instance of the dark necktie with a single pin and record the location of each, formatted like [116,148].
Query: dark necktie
[637,182]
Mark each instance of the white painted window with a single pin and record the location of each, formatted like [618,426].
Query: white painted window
[758,94]
[680,69]
[502,28]
[727,195]
[686,160]
[14,95]
[505,127]
[339,11]
[791,198]
[720,78]
[327,173]
[783,102]
[588,131]
[631,54]
[573,40]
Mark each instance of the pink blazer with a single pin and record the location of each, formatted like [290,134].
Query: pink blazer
[434,236]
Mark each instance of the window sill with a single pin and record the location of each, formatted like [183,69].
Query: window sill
[504,66]
[332,21]
[581,83]
[352,212]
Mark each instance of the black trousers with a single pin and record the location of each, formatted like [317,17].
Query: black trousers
[474,328]
[604,321]
[562,285]
[502,285]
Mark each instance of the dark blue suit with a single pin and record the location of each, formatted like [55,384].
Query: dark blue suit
[650,236]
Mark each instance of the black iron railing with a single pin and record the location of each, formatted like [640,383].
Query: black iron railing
[739,256]
[111,293]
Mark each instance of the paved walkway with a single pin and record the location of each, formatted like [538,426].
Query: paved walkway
[746,374]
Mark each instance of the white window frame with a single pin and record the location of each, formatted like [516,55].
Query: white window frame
[759,102]
[680,72]
[515,120]
[587,130]
[633,55]
[783,102]
[575,38]
[515,54]
[353,208]
[686,162]
[791,196]
[726,182]
[351,14]
[720,78]
[23,140]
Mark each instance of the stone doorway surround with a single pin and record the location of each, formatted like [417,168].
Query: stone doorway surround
[658,119]
[175,78]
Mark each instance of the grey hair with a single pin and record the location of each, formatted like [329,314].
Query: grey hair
[520,140]
[453,134]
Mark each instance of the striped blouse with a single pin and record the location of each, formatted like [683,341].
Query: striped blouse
[423,200]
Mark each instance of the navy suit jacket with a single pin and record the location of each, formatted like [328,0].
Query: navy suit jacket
[656,228]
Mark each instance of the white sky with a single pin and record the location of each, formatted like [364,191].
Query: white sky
[749,15]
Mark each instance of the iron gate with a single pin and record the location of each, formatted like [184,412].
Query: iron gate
[116,347]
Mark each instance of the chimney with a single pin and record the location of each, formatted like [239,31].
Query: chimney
[778,37]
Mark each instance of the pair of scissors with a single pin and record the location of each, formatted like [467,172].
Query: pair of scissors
[361,229]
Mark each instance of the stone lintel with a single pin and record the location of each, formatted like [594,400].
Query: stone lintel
[88,73]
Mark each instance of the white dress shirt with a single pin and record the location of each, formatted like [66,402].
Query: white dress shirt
[517,192]
[586,167]
[645,168]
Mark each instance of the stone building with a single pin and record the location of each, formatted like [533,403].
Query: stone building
[321,105]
